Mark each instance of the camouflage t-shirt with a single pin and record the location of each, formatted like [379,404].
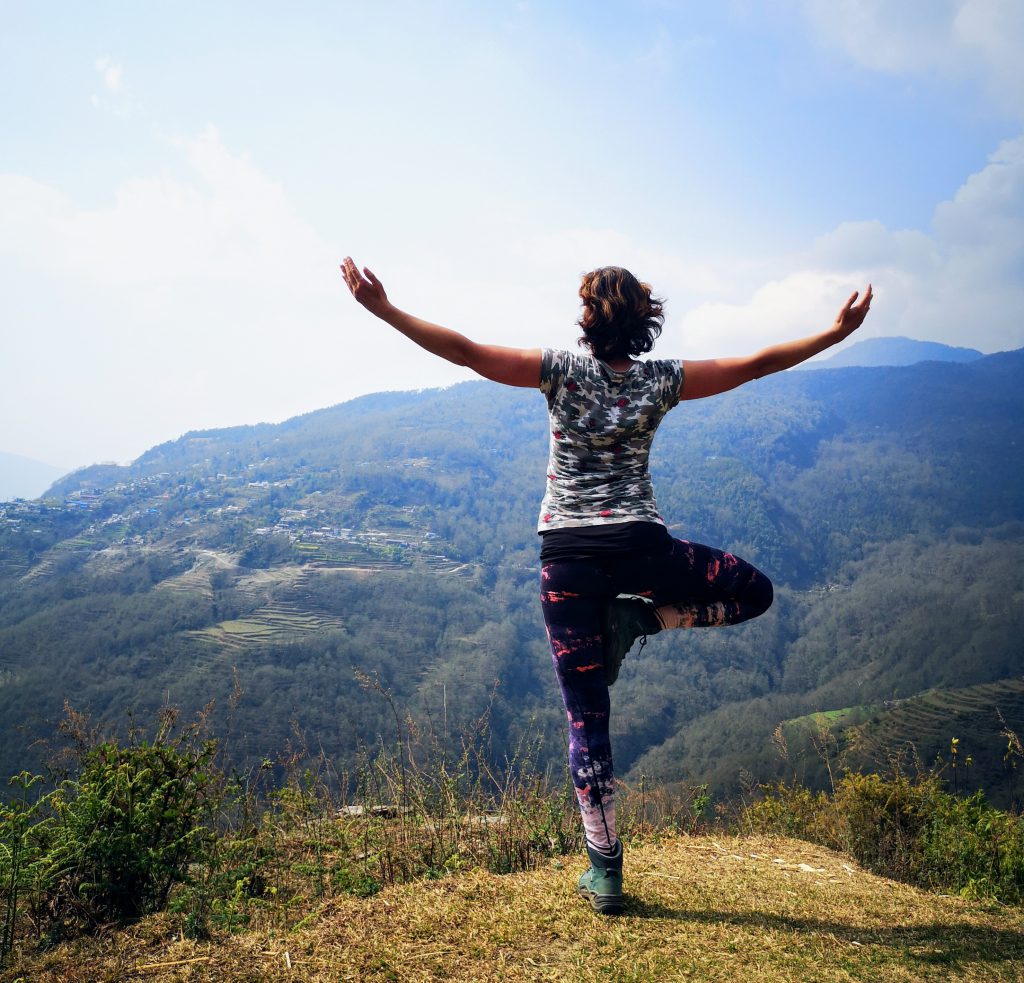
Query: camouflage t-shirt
[602,425]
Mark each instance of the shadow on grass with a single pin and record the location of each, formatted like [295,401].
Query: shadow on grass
[946,942]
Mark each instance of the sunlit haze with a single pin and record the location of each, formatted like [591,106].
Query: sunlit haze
[178,184]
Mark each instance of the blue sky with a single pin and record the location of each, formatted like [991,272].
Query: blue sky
[179,181]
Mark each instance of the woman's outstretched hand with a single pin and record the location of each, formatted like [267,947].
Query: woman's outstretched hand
[366,289]
[852,315]
[718,375]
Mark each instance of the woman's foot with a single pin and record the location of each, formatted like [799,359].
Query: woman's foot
[601,885]
[625,620]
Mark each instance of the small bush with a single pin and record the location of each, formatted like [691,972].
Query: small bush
[222,889]
[125,831]
[349,879]
[790,810]
[109,843]
[974,849]
[881,821]
[21,859]
[907,828]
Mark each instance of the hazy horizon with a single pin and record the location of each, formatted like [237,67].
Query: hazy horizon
[7,458]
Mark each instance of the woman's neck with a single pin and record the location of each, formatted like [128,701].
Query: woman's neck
[618,364]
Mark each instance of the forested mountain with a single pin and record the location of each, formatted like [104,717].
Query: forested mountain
[893,351]
[393,536]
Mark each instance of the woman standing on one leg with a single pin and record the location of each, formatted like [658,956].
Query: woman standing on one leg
[602,536]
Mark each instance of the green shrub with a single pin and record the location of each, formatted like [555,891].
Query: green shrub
[227,884]
[126,830]
[789,810]
[349,879]
[881,821]
[21,859]
[907,828]
[975,850]
[109,843]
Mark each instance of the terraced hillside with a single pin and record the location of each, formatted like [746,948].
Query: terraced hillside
[921,730]
[282,605]
[274,624]
[198,579]
[346,556]
[53,561]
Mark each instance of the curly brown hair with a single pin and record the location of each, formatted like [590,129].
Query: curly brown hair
[620,317]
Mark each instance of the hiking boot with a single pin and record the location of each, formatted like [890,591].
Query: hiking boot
[601,885]
[625,620]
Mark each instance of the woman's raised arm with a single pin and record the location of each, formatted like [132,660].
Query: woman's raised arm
[708,377]
[510,366]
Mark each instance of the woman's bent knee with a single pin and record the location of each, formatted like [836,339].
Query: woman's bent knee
[762,594]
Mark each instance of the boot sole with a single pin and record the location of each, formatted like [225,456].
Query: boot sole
[604,904]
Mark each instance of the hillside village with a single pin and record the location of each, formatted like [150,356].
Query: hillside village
[162,509]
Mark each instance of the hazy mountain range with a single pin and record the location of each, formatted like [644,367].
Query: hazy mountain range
[23,477]
[393,536]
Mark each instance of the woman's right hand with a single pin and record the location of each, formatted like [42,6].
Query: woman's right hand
[366,289]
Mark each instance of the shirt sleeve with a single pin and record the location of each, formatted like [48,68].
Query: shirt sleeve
[670,378]
[553,366]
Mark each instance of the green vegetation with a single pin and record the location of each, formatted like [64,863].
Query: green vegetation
[394,535]
[109,842]
[129,823]
[907,828]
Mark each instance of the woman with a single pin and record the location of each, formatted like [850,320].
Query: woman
[610,571]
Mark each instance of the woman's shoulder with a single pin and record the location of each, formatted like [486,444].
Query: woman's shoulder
[661,368]
[665,377]
[566,357]
[565,370]
[664,363]
[560,361]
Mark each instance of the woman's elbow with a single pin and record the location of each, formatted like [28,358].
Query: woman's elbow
[464,353]
[760,365]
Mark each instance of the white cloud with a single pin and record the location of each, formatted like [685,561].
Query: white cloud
[232,225]
[187,302]
[886,36]
[200,297]
[796,304]
[953,38]
[995,30]
[110,73]
[961,283]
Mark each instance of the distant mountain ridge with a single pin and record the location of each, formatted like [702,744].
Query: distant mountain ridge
[25,477]
[873,352]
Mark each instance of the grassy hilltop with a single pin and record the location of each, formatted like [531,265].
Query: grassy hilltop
[703,908]
[150,860]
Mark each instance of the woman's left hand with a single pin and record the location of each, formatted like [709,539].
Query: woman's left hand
[368,290]
[852,315]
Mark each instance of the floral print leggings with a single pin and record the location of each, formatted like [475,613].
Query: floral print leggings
[692,586]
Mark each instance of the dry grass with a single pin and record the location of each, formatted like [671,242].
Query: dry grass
[702,908]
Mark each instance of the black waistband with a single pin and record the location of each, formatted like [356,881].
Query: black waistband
[588,542]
